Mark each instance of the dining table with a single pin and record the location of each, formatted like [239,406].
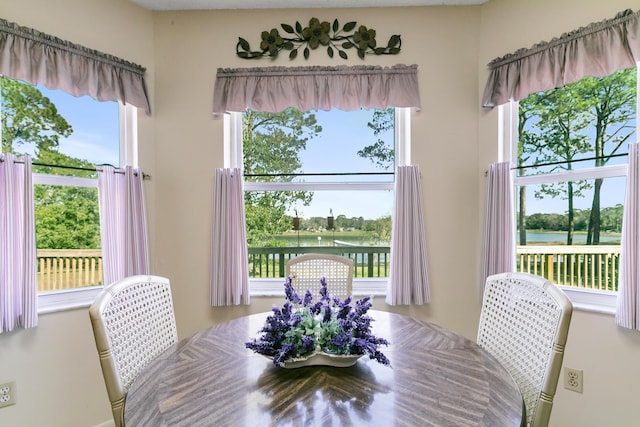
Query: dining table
[436,377]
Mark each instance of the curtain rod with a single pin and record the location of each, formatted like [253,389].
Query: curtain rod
[565,162]
[80,168]
[316,174]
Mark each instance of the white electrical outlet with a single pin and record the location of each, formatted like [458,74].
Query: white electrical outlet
[573,379]
[7,394]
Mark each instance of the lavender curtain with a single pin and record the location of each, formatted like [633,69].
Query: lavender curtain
[409,276]
[273,89]
[598,50]
[123,223]
[229,280]
[18,290]
[29,55]
[628,305]
[498,246]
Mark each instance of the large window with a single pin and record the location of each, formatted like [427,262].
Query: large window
[570,148]
[319,181]
[67,138]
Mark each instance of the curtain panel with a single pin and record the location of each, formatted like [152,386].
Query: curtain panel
[498,246]
[18,289]
[229,278]
[409,275]
[273,89]
[123,223]
[37,58]
[628,304]
[597,50]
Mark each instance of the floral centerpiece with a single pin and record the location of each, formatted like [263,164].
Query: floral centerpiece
[304,328]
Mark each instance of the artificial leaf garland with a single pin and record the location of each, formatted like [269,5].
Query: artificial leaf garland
[318,34]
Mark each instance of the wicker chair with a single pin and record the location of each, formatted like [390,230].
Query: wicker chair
[306,271]
[133,322]
[524,324]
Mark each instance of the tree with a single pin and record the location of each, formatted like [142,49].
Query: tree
[557,138]
[378,230]
[272,143]
[65,217]
[611,101]
[29,118]
[380,153]
[562,126]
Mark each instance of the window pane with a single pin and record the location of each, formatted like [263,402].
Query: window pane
[582,125]
[319,146]
[560,239]
[331,224]
[67,237]
[56,128]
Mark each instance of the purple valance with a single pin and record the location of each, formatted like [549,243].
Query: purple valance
[272,89]
[37,58]
[598,50]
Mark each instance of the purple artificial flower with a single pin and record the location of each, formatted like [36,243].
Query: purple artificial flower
[308,298]
[345,328]
[290,293]
[324,290]
[341,342]
[308,343]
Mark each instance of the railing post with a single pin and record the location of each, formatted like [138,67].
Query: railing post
[281,264]
[550,267]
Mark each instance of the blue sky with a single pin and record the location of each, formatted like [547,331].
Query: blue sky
[96,132]
[95,125]
[335,150]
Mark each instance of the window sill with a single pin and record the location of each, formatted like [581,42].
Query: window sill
[592,301]
[51,302]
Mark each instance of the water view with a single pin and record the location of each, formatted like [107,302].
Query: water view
[560,238]
[350,238]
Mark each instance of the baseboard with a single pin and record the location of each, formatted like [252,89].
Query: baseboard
[106,424]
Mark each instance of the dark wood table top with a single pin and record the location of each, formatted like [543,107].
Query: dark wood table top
[437,378]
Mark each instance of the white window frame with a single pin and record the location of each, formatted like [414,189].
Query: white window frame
[233,159]
[68,299]
[582,299]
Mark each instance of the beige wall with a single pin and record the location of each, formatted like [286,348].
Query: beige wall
[55,365]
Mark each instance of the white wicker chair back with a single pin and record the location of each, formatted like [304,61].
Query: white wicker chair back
[524,324]
[133,322]
[306,271]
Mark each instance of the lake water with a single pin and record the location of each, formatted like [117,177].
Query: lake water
[561,237]
[356,239]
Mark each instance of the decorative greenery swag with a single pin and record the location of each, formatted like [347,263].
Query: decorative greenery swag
[317,34]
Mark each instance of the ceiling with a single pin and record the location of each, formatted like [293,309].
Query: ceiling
[290,4]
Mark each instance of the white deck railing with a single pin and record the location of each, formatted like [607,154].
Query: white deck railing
[68,268]
[581,266]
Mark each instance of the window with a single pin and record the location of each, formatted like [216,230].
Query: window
[319,181]
[569,146]
[66,137]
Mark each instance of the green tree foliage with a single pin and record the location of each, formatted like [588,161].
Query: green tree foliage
[29,118]
[380,153]
[272,143]
[611,219]
[66,217]
[611,101]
